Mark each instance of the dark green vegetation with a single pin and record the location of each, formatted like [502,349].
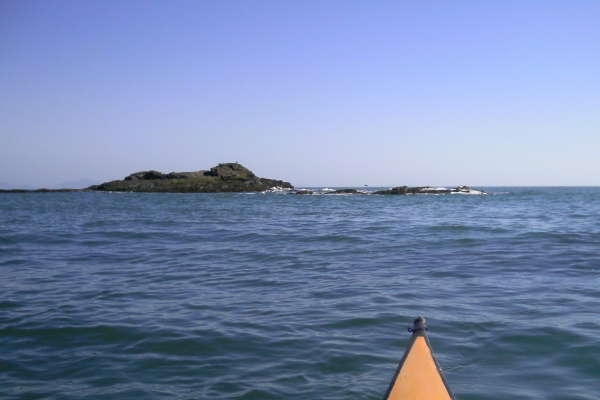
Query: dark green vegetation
[228,177]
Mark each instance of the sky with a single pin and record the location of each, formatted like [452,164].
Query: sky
[317,93]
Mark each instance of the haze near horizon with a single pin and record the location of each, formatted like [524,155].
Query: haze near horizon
[331,93]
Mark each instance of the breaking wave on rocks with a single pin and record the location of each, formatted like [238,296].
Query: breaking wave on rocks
[425,190]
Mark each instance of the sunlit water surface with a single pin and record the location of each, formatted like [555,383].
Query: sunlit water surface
[270,296]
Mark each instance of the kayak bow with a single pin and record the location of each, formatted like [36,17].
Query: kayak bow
[419,376]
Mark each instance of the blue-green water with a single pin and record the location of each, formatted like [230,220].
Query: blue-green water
[267,296]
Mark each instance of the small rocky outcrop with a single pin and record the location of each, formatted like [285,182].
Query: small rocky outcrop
[428,190]
[346,191]
[303,191]
[227,177]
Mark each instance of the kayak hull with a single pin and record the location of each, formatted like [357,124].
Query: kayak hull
[419,376]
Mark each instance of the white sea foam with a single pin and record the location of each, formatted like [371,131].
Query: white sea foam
[469,191]
[277,189]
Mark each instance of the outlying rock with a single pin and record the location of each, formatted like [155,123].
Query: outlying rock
[228,177]
[429,190]
[346,191]
[303,191]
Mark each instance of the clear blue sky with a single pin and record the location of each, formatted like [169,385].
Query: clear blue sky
[323,93]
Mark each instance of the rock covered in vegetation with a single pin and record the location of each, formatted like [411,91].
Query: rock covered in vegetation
[227,177]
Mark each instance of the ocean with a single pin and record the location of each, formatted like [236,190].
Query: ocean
[275,296]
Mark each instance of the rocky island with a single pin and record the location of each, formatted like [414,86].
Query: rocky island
[231,177]
[227,177]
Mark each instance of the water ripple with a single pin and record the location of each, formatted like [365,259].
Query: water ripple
[230,296]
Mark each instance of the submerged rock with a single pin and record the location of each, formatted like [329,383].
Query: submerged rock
[303,191]
[227,177]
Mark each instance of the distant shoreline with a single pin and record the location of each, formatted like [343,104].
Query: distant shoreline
[43,190]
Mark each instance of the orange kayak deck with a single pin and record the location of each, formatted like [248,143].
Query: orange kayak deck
[419,376]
